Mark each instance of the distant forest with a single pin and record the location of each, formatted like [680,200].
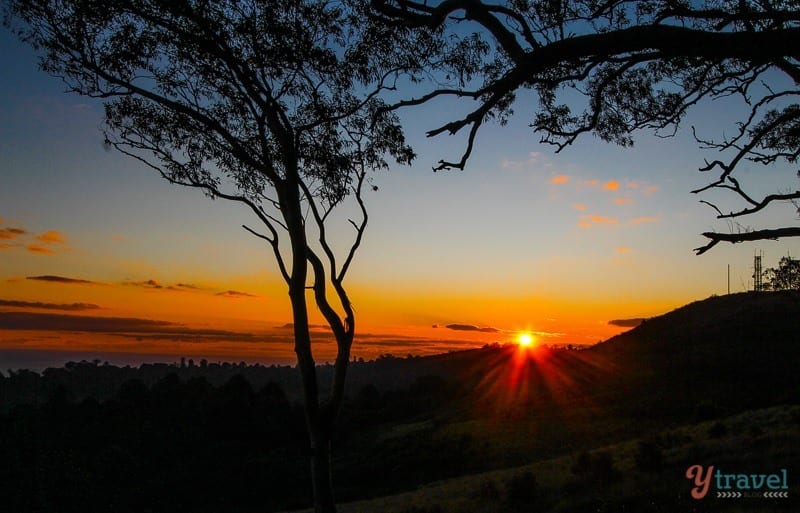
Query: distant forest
[201,437]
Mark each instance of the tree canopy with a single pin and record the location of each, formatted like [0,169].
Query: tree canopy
[615,67]
[276,105]
[784,277]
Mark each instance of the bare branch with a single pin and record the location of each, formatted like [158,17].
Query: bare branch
[735,238]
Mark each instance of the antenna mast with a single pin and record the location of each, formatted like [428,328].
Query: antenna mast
[758,286]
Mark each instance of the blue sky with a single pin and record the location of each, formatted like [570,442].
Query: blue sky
[522,239]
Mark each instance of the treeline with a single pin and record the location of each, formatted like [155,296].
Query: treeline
[174,446]
[100,380]
[184,443]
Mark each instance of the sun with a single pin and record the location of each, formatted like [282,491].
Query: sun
[525,339]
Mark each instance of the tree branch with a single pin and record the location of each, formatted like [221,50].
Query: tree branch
[735,238]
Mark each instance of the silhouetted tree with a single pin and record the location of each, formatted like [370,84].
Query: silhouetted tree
[628,66]
[784,277]
[274,105]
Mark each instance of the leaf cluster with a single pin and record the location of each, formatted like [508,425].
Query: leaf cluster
[230,95]
[613,68]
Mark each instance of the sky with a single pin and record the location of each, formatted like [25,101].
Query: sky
[101,258]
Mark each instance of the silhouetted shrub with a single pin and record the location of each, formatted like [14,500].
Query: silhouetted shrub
[522,490]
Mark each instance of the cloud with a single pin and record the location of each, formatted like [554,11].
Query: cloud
[122,326]
[647,189]
[623,201]
[580,207]
[559,179]
[153,284]
[644,219]
[595,219]
[470,327]
[184,286]
[611,185]
[623,249]
[61,279]
[147,284]
[11,233]
[591,182]
[547,334]
[51,237]
[290,325]
[234,294]
[41,250]
[627,323]
[49,306]
[41,244]
[535,160]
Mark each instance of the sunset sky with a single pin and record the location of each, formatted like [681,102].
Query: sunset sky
[99,257]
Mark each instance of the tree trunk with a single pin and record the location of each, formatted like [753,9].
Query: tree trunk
[321,474]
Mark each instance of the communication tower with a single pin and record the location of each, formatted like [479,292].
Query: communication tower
[758,285]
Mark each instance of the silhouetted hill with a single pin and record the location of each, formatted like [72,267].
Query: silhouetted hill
[726,353]
[751,322]
[712,357]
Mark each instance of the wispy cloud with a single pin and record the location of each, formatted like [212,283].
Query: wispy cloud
[644,219]
[290,325]
[49,306]
[11,233]
[184,286]
[535,160]
[147,284]
[470,327]
[559,179]
[37,249]
[124,326]
[623,249]
[234,294]
[611,185]
[587,221]
[51,237]
[623,201]
[579,207]
[153,284]
[43,244]
[61,279]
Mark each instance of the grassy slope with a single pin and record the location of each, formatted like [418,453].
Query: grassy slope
[769,437]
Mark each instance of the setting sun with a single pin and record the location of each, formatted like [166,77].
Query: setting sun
[525,339]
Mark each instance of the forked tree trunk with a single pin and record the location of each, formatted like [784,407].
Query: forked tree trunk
[321,475]
[319,419]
